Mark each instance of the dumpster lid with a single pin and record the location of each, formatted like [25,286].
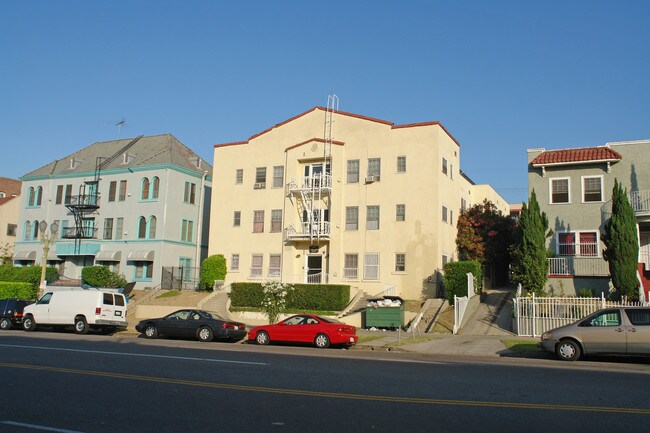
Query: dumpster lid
[391,298]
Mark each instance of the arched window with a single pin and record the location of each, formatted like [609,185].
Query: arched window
[34,230]
[28,231]
[145,189]
[152,227]
[142,228]
[30,197]
[156,186]
[39,195]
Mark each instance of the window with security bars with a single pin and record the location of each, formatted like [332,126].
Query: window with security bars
[257,261]
[276,220]
[352,218]
[371,266]
[239,176]
[374,167]
[559,190]
[234,262]
[592,190]
[258,221]
[351,267]
[372,218]
[400,212]
[274,265]
[353,171]
[401,164]
[581,244]
[400,262]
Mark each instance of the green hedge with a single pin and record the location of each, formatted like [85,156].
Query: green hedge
[27,274]
[101,276]
[455,278]
[17,290]
[322,297]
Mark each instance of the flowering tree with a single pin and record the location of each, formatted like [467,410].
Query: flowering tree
[275,299]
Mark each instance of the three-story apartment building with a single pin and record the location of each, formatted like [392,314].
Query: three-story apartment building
[135,205]
[574,188]
[335,197]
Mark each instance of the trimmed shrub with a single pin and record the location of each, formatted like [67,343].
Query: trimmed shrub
[213,268]
[17,290]
[324,297]
[27,274]
[455,278]
[101,276]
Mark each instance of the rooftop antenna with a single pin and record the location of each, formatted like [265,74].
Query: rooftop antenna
[119,124]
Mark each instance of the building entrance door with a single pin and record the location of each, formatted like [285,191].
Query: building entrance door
[314,268]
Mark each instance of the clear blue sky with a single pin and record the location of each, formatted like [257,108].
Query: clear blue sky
[501,76]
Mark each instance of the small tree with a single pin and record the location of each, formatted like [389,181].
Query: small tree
[621,245]
[275,299]
[213,268]
[529,265]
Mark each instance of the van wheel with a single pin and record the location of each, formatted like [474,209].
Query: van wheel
[80,325]
[29,324]
[568,350]
[5,323]
[205,334]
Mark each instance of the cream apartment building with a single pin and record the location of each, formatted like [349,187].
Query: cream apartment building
[334,197]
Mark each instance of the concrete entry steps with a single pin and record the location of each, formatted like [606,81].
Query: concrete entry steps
[494,316]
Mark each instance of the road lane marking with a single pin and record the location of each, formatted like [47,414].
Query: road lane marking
[38,427]
[336,395]
[142,355]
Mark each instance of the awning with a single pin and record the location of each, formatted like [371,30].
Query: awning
[109,256]
[25,255]
[54,259]
[141,256]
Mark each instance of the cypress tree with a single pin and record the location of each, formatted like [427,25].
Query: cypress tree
[529,265]
[621,244]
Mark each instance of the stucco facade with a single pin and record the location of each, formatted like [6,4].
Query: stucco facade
[574,188]
[374,205]
[150,212]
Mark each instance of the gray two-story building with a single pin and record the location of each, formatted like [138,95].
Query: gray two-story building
[139,206]
[574,188]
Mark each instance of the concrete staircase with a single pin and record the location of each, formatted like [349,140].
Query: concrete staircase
[217,302]
[428,315]
[358,303]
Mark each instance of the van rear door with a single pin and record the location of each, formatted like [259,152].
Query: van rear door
[113,307]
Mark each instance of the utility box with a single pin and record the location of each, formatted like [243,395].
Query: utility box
[384,312]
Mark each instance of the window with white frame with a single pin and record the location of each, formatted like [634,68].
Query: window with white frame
[236,218]
[234,262]
[276,220]
[445,169]
[260,178]
[374,168]
[592,189]
[371,266]
[445,217]
[351,267]
[401,164]
[560,190]
[400,262]
[274,265]
[400,212]
[372,218]
[278,176]
[257,261]
[352,218]
[353,171]
[258,221]
[577,244]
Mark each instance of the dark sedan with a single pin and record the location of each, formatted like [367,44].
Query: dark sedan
[192,324]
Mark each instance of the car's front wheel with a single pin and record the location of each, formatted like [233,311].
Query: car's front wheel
[205,334]
[5,323]
[262,338]
[322,341]
[568,350]
[28,323]
[150,331]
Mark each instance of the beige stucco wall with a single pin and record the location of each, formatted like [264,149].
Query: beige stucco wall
[9,211]
[423,188]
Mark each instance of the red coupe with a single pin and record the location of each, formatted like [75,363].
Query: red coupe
[306,328]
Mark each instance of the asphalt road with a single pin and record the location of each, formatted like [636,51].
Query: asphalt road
[67,383]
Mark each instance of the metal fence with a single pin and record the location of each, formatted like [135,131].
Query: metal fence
[535,315]
[180,278]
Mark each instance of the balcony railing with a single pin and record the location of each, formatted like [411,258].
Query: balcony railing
[578,266]
[79,232]
[640,201]
[84,200]
[322,182]
[320,229]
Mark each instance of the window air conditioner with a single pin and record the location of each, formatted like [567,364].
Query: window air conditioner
[371,178]
[260,185]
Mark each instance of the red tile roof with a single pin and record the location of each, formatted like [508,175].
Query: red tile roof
[567,156]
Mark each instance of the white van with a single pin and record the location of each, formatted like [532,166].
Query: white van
[80,308]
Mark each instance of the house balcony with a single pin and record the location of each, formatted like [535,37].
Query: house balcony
[308,230]
[83,201]
[578,267]
[640,201]
[79,233]
[311,184]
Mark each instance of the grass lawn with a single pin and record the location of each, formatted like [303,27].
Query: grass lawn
[169,294]
[407,338]
[521,345]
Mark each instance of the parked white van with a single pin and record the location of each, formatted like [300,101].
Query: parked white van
[79,308]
